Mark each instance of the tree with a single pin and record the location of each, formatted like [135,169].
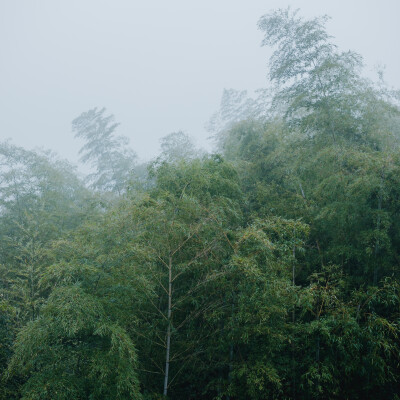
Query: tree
[74,351]
[162,251]
[177,146]
[346,338]
[8,389]
[237,106]
[107,153]
[41,199]
[262,294]
[319,88]
[185,222]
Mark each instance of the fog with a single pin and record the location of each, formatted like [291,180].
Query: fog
[157,66]
[161,271]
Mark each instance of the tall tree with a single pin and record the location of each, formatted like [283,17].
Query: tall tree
[41,200]
[319,87]
[107,153]
[194,205]
[177,146]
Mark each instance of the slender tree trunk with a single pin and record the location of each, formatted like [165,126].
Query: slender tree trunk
[378,226]
[169,327]
[293,321]
[317,349]
[231,351]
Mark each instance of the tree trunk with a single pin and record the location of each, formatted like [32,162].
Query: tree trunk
[169,327]
[378,226]
[293,322]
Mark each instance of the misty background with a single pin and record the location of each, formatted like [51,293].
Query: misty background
[157,66]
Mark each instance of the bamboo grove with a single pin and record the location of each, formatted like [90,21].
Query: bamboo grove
[268,269]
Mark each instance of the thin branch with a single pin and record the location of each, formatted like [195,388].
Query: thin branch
[198,255]
[189,237]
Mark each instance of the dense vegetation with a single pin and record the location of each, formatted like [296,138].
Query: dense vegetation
[267,271]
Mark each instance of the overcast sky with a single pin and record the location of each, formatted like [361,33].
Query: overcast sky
[159,66]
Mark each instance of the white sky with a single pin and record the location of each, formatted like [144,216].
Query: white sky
[159,66]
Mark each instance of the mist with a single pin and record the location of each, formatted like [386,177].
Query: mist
[199,201]
[158,67]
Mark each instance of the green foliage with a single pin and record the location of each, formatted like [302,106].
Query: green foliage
[41,199]
[270,271]
[8,389]
[319,88]
[73,351]
[349,338]
[185,227]
[262,295]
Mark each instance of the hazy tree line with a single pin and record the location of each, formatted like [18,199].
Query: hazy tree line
[268,270]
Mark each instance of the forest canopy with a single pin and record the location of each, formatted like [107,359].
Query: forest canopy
[268,269]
